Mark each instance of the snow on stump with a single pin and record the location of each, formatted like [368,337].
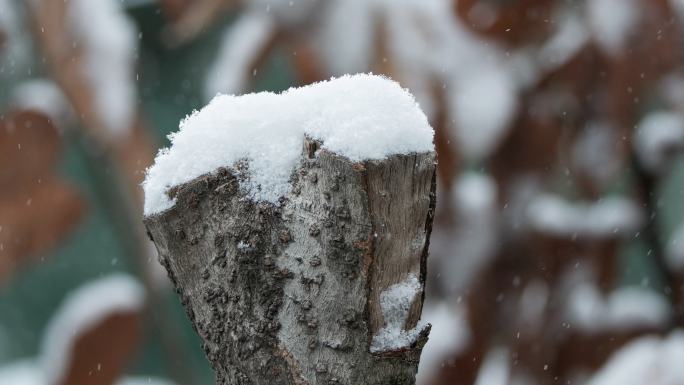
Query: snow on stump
[295,228]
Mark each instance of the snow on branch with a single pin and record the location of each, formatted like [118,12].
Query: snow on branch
[624,309]
[658,136]
[550,214]
[612,22]
[44,96]
[82,310]
[109,42]
[648,360]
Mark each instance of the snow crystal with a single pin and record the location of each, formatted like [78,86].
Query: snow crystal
[449,335]
[658,134]
[395,303]
[109,42]
[674,251]
[624,308]
[82,310]
[648,360]
[612,215]
[612,21]
[239,49]
[361,117]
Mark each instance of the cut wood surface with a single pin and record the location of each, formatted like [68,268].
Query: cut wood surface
[290,293]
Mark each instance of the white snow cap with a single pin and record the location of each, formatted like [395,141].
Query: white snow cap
[82,310]
[648,360]
[395,303]
[361,117]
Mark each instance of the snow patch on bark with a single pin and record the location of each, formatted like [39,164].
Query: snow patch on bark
[395,303]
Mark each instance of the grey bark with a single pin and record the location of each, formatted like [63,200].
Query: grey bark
[288,293]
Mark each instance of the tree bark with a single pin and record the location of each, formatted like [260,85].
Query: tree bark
[289,293]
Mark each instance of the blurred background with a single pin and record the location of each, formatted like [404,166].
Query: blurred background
[557,254]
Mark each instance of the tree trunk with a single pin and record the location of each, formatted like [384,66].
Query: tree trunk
[290,293]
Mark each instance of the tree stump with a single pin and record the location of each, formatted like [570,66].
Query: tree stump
[293,293]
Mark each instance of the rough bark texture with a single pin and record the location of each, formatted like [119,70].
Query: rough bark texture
[289,294]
